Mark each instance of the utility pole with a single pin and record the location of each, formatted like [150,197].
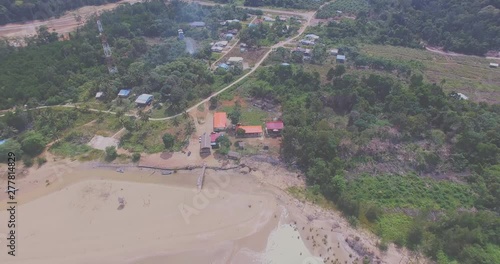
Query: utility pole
[107,49]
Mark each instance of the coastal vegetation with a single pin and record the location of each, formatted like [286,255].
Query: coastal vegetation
[469,27]
[50,72]
[393,146]
[25,10]
[381,148]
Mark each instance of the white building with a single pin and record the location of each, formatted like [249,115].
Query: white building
[312,37]
[235,60]
[493,65]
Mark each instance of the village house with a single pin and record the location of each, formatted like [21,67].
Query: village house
[493,65]
[340,58]
[334,52]
[197,24]
[99,95]
[220,121]
[216,49]
[268,19]
[213,139]
[307,42]
[312,37]
[235,61]
[249,131]
[205,146]
[224,66]
[144,99]
[274,128]
[124,93]
[229,21]
[221,43]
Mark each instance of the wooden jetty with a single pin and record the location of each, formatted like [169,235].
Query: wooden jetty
[201,178]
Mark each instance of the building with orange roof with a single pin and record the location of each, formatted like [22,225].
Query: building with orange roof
[250,131]
[220,121]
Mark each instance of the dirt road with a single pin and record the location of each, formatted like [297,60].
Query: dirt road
[449,53]
[309,16]
[64,24]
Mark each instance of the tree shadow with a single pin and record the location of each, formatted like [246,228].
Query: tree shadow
[120,207]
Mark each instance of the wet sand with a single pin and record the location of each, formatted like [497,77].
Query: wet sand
[242,218]
[78,219]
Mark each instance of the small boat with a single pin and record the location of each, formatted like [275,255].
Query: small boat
[166,172]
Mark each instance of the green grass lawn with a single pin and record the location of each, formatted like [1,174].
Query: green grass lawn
[393,227]
[67,149]
[250,116]
[467,74]
[411,191]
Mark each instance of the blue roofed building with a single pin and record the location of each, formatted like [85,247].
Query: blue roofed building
[224,66]
[2,141]
[124,93]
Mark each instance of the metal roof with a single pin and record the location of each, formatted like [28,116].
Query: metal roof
[251,129]
[124,92]
[144,98]
[197,24]
[220,120]
[275,125]
[205,141]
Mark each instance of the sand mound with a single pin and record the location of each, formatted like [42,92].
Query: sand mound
[83,224]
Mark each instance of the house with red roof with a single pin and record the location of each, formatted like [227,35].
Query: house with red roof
[213,139]
[249,131]
[274,128]
[220,121]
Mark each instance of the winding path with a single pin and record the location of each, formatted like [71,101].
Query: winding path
[307,15]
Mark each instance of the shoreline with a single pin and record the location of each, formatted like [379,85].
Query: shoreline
[268,182]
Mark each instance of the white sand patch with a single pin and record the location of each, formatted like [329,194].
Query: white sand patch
[286,246]
[100,142]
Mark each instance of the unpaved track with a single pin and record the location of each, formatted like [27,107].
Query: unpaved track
[64,24]
[306,15]
[449,53]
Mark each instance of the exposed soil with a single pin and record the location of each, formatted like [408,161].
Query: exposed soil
[62,25]
[250,57]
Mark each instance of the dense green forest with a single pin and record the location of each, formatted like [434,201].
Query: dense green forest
[48,72]
[25,10]
[296,4]
[266,35]
[470,27]
[377,146]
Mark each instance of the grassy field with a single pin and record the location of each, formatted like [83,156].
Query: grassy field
[250,116]
[469,75]
[346,6]
[411,191]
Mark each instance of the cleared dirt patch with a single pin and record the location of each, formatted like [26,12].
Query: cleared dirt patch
[250,57]
[100,142]
[64,24]
[470,75]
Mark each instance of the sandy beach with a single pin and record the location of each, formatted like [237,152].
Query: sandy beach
[70,213]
